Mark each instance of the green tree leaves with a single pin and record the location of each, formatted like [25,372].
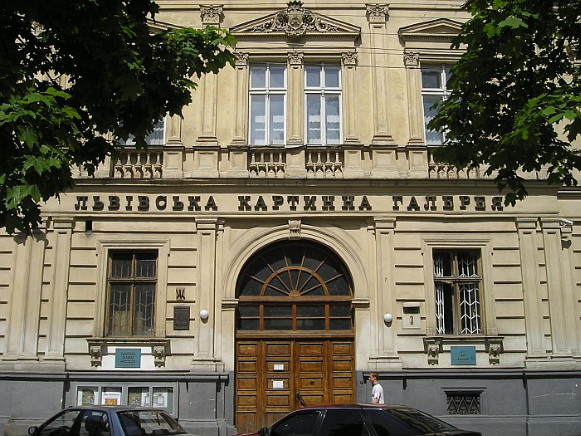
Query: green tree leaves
[513,90]
[71,72]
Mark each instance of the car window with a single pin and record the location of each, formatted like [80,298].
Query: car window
[94,423]
[148,423]
[343,422]
[299,424]
[385,424]
[65,423]
[421,420]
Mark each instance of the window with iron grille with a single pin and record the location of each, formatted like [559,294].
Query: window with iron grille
[458,286]
[132,281]
[463,403]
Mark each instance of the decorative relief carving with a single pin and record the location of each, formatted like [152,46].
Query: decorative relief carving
[295,58]
[433,347]
[211,14]
[349,58]
[294,227]
[377,14]
[241,59]
[411,59]
[159,355]
[96,353]
[295,21]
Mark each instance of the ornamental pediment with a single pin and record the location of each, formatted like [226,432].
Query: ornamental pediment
[295,21]
[438,30]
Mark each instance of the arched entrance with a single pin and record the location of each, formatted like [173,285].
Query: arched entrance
[295,333]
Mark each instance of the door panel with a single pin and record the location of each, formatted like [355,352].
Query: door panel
[270,374]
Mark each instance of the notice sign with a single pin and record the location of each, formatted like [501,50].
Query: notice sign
[463,355]
[127,358]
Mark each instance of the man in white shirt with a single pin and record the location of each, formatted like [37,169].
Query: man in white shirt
[377,389]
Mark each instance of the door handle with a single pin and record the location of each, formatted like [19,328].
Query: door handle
[299,398]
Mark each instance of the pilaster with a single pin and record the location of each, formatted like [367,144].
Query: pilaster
[377,16]
[173,150]
[295,98]
[561,303]
[58,295]
[527,230]
[414,86]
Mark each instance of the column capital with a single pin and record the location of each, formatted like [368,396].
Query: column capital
[241,59]
[411,59]
[211,15]
[296,58]
[526,223]
[349,58]
[377,13]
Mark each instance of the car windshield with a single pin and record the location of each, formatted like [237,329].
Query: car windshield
[149,423]
[421,420]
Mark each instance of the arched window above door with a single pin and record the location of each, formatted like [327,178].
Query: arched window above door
[295,286]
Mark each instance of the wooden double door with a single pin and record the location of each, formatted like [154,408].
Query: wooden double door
[274,377]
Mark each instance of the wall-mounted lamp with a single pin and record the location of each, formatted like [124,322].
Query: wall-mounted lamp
[388,318]
[204,314]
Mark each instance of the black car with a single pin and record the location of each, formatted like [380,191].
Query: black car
[360,420]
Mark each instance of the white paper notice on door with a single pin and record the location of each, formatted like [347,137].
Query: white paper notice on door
[278,384]
[279,367]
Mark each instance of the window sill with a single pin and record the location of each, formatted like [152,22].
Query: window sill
[434,345]
[159,348]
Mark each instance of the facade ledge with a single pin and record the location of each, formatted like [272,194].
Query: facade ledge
[434,345]
[160,348]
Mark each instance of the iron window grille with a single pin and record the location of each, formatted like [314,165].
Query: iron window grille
[464,403]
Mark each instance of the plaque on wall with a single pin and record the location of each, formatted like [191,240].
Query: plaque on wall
[463,355]
[127,358]
[181,317]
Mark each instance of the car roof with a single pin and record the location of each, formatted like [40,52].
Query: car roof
[117,408]
[355,406]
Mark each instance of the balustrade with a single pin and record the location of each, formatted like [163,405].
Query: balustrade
[133,164]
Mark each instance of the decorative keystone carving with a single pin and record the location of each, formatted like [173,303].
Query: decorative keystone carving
[295,58]
[377,14]
[411,59]
[295,21]
[241,59]
[211,14]
[96,353]
[349,58]
[158,352]
[294,227]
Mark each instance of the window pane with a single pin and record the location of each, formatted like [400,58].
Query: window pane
[163,397]
[146,265]
[340,309]
[340,324]
[119,315]
[301,424]
[432,137]
[143,320]
[277,76]
[333,121]
[277,119]
[248,324]
[431,79]
[278,311]
[64,419]
[442,264]
[343,422]
[313,75]
[467,264]
[311,324]
[469,308]
[331,76]
[310,311]
[86,395]
[248,311]
[313,119]
[278,324]
[258,76]
[138,396]
[257,119]
[121,265]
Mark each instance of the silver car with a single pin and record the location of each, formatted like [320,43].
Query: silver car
[109,421]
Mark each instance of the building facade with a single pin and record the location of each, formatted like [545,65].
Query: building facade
[290,234]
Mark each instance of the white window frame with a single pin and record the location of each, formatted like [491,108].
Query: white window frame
[441,92]
[323,90]
[267,91]
[155,139]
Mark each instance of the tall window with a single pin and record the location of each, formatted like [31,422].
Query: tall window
[323,97]
[434,89]
[267,104]
[132,282]
[458,285]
